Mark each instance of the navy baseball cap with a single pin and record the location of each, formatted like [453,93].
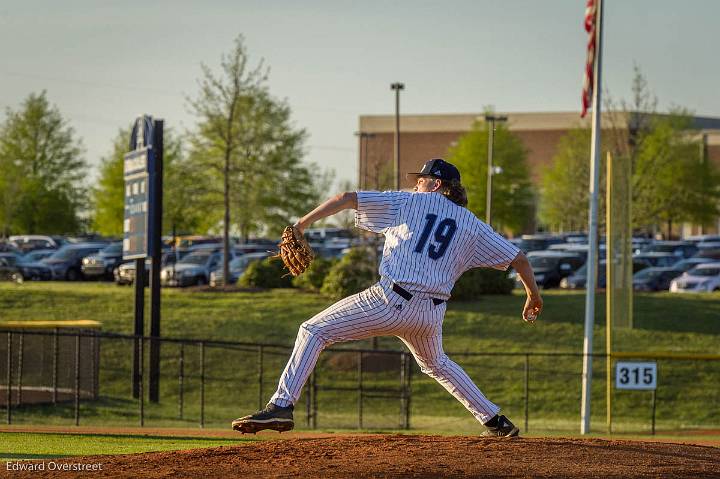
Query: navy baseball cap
[439,168]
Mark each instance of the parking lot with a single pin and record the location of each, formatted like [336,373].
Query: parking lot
[559,260]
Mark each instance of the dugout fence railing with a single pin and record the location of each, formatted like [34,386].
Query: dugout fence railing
[209,382]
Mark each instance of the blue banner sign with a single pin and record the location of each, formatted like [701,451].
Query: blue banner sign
[138,168]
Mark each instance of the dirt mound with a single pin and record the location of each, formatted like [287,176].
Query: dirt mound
[414,456]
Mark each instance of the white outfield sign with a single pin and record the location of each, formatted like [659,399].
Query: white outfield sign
[641,376]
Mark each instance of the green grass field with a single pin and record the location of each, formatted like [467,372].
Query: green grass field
[17,446]
[664,322]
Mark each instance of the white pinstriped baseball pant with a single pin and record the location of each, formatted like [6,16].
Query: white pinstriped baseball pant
[379,311]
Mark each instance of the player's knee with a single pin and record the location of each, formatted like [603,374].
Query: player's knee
[431,366]
[309,330]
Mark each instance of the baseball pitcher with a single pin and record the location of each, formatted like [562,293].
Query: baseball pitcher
[430,240]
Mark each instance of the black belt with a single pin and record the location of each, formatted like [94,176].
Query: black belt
[408,295]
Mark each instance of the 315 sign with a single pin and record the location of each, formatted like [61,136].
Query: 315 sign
[636,375]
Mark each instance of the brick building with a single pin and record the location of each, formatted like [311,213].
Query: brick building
[429,136]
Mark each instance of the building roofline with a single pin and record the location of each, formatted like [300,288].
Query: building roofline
[517,121]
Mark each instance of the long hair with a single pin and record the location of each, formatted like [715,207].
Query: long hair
[454,191]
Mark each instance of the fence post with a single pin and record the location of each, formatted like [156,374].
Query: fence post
[408,392]
[141,377]
[314,399]
[93,339]
[260,376]
[56,354]
[181,380]
[77,379]
[654,404]
[21,348]
[308,403]
[202,384]
[360,389]
[402,391]
[527,390]
[9,377]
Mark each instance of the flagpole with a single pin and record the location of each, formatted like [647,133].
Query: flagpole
[592,228]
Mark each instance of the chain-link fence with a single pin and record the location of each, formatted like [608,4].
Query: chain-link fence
[49,367]
[87,378]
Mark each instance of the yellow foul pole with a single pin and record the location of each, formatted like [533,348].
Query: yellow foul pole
[609,282]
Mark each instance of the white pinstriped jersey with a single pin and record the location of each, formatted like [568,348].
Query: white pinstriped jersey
[429,240]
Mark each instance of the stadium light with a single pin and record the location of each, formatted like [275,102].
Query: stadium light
[397,87]
[491,170]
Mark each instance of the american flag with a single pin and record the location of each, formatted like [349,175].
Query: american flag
[590,17]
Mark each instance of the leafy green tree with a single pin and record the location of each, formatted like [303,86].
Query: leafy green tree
[109,194]
[564,193]
[183,209]
[513,195]
[41,160]
[380,174]
[671,180]
[249,150]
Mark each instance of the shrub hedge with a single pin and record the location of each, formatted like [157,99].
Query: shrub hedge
[356,271]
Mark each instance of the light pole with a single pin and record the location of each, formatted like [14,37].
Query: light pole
[490,168]
[397,87]
[363,169]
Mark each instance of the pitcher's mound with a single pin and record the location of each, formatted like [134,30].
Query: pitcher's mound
[419,456]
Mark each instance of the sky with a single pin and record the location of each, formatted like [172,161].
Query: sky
[103,62]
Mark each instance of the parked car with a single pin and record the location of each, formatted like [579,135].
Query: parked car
[194,269]
[26,243]
[334,251]
[102,265]
[9,272]
[638,243]
[682,249]
[66,262]
[702,278]
[8,247]
[37,255]
[578,279]
[125,273]
[195,240]
[702,238]
[551,267]
[709,244]
[17,269]
[689,263]
[574,237]
[246,248]
[710,254]
[237,268]
[539,242]
[325,234]
[656,259]
[655,279]
[579,249]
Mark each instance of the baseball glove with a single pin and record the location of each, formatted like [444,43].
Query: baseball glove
[295,251]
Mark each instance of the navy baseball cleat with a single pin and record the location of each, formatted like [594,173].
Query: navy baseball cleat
[272,417]
[500,426]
